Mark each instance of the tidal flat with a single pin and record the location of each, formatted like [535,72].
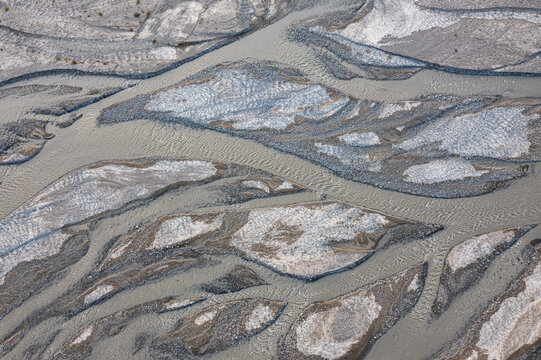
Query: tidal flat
[270,179]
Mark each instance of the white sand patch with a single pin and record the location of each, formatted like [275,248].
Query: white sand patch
[303,236]
[44,247]
[33,231]
[286,185]
[177,23]
[256,184]
[355,315]
[497,133]
[390,109]
[516,323]
[415,283]
[437,171]
[259,317]
[13,158]
[247,101]
[165,53]
[360,139]
[349,156]
[174,305]
[273,8]
[396,19]
[181,228]
[85,334]
[119,251]
[98,293]
[368,55]
[476,248]
[208,316]
[345,155]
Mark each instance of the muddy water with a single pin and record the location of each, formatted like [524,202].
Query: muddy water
[414,337]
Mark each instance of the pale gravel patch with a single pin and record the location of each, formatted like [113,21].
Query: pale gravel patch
[437,171]
[396,19]
[90,191]
[222,14]
[179,304]
[259,317]
[314,334]
[119,251]
[516,323]
[246,101]
[256,184]
[476,248]
[273,9]
[374,166]
[33,232]
[303,236]
[206,317]
[390,109]
[345,155]
[181,228]
[349,156]
[415,283]
[286,185]
[44,247]
[164,53]
[13,158]
[178,22]
[98,293]
[85,334]
[367,55]
[360,139]
[499,132]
